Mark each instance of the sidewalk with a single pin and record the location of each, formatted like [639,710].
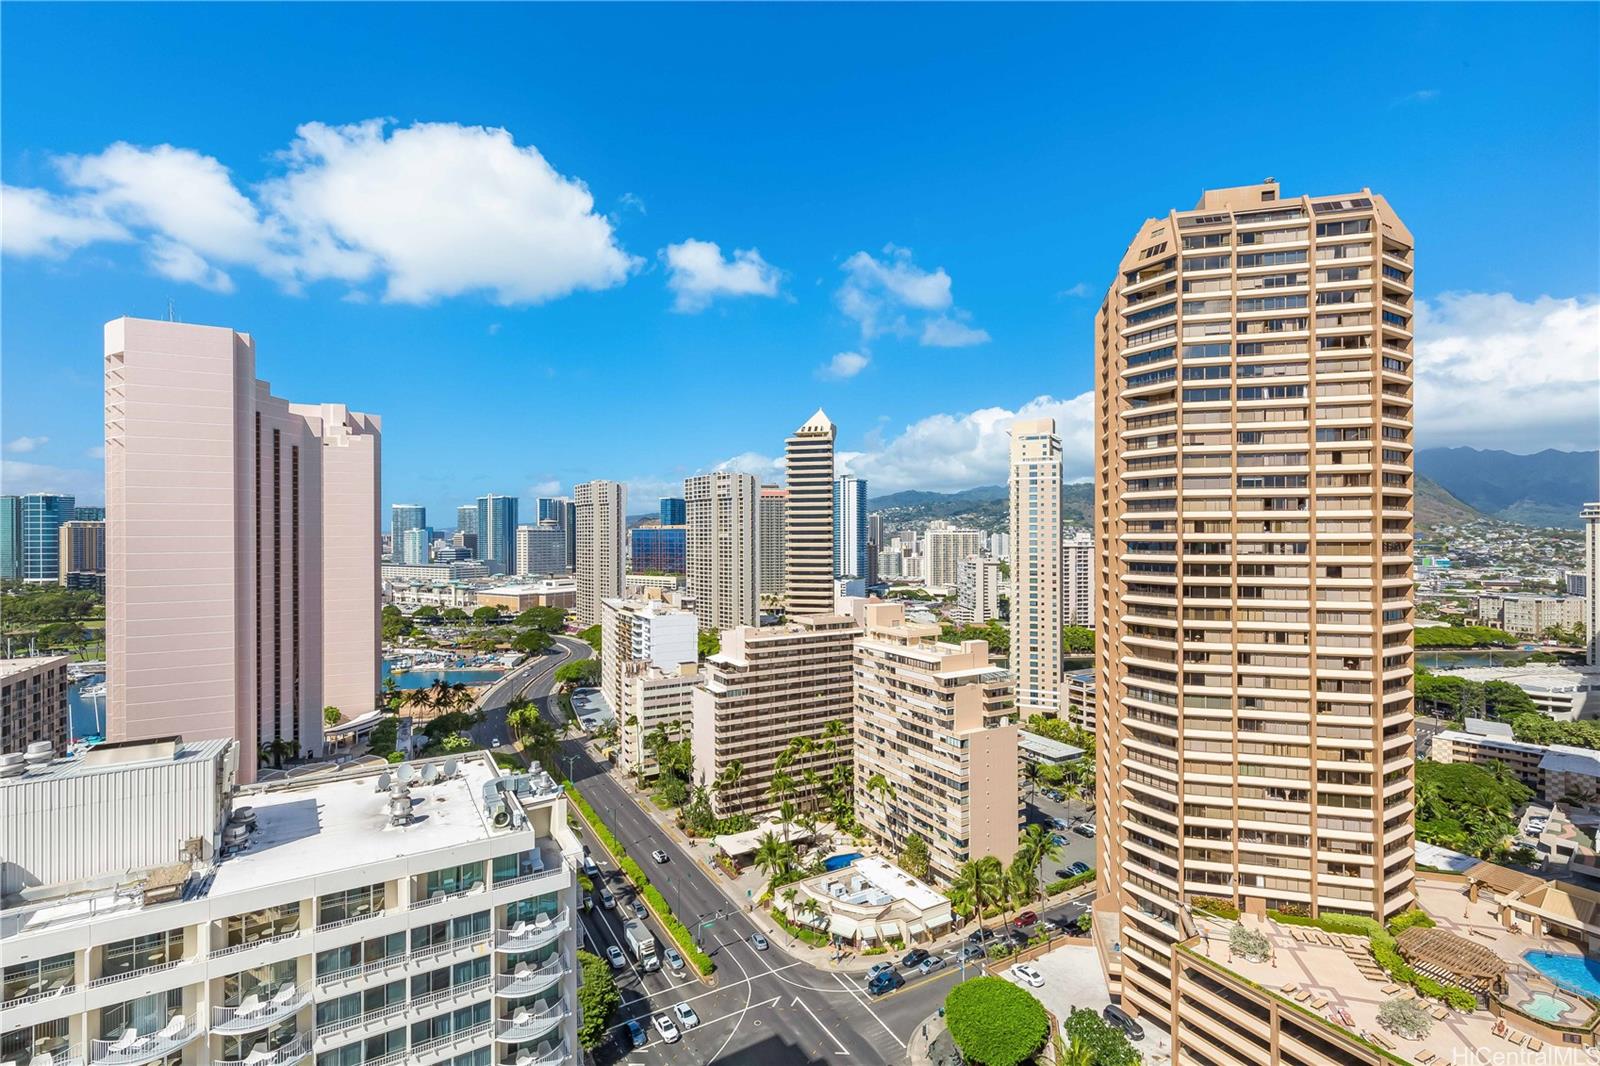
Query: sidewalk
[741,892]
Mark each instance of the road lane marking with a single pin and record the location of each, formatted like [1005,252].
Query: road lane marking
[836,1042]
[730,986]
[870,1011]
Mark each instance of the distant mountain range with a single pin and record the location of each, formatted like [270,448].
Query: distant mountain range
[1453,485]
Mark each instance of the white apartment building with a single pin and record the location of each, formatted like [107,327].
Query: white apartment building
[1077,579]
[1591,593]
[1036,565]
[155,915]
[765,688]
[601,509]
[978,584]
[944,547]
[720,550]
[642,633]
[541,549]
[1528,614]
[652,698]
[934,721]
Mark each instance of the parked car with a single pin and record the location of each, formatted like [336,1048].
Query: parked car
[639,910]
[1017,938]
[1084,829]
[914,957]
[885,982]
[636,1034]
[669,1032]
[1024,974]
[590,868]
[759,941]
[880,967]
[1120,1018]
[980,936]
[687,1018]
[674,960]
[618,959]
[931,963]
[1058,840]
[1079,868]
[658,855]
[1025,919]
[1058,823]
[607,900]
[972,952]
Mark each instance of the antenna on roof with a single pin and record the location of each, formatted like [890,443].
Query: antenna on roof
[172,310]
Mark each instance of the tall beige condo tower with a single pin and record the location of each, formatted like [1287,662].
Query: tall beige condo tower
[720,552]
[242,544]
[601,518]
[935,722]
[809,546]
[1254,506]
[1591,595]
[1036,565]
[772,519]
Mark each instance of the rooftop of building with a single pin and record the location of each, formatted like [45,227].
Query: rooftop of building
[11,667]
[119,758]
[1046,748]
[1335,978]
[1487,727]
[1550,677]
[872,878]
[518,588]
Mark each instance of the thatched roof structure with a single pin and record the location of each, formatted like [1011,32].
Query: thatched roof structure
[1453,958]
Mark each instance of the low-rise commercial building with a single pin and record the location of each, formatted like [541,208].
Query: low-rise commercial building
[33,702]
[1554,771]
[869,902]
[1080,699]
[461,570]
[936,744]
[165,917]
[767,687]
[514,599]
[1565,693]
[1043,751]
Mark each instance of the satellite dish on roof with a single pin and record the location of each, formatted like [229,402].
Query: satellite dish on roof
[383,782]
[405,775]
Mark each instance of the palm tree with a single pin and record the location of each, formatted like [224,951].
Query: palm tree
[978,885]
[1038,843]
[773,856]
[1030,778]
[786,811]
[275,751]
[728,779]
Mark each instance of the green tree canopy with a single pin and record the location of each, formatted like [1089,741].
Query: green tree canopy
[591,636]
[994,1022]
[1461,637]
[486,614]
[597,999]
[453,614]
[914,856]
[1467,807]
[710,642]
[1107,1045]
[547,619]
[582,674]
[531,641]
[1077,640]
[331,715]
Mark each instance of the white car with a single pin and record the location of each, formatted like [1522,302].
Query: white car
[1024,974]
[668,1031]
[687,1018]
[658,855]
[618,959]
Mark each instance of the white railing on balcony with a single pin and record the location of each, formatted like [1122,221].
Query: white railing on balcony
[529,1025]
[366,1018]
[432,951]
[445,897]
[352,920]
[35,997]
[297,1048]
[529,982]
[143,971]
[550,1056]
[526,936]
[67,1056]
[446,995]
[430,1049]
[131,1049]
[234,949]
[256,1011]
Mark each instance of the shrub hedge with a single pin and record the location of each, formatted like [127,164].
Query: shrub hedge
[652,895]
[1386,953]
[995,1023]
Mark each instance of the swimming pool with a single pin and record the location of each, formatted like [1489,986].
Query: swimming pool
[1545,1007]
[1569,971]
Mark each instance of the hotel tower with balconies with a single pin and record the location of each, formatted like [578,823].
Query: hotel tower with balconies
[1254,529]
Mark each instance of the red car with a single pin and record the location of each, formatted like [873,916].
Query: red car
[1025,919]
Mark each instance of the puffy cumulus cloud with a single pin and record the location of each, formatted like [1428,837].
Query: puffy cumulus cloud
[35,223]
[1494,371]
[765,467]
[24,445]
[946,452]
[20,477]
[547,487]
[697,273]
[427,211]
[893,295]
[844,365]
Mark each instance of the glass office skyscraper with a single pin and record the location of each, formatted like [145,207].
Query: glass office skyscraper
[42,515]
[656,549]
[497,532]
[850,527]
[672,511]
[10,538]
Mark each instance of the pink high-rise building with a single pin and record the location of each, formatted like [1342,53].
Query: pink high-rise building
[242,592]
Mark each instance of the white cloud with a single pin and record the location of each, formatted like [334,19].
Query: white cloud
[950,333]
[33,222]
[1497,372]
[24,445]
[765,467]
[19,477]
[697,273]
[1078,291]
[97,452]
[894,296]
[945,452]
[427,211]
[547,487]
[844,365]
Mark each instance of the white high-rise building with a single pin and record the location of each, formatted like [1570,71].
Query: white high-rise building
[172,919]
[242,538]
[944,548]
[772,517]
[850,527]
[1036,566]
[978,590]
[1077,579]
[1591,564]
[541,549]
[648,654]
[601,520]
[720,550]
[808,550]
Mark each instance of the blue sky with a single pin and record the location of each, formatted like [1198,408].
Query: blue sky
[858,151]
